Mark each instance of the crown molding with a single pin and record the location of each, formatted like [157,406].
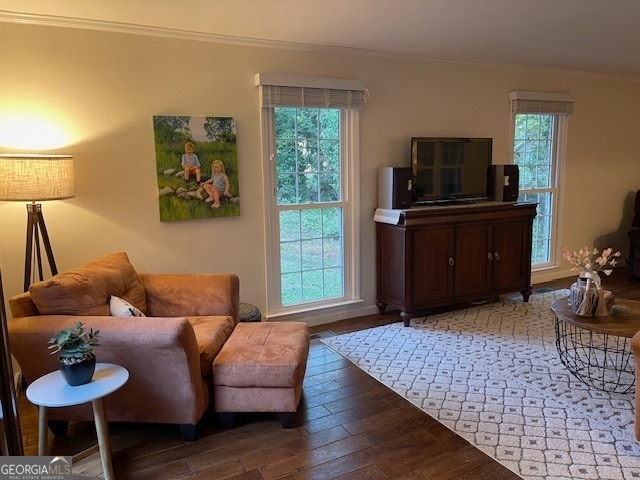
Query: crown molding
[174,33]
[130,28]
[167,32]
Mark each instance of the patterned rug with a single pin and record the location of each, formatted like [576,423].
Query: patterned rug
[492,374]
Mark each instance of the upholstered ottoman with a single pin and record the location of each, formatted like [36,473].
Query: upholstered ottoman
[260,368]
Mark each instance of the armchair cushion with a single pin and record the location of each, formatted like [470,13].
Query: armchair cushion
[211,334]
[86,290]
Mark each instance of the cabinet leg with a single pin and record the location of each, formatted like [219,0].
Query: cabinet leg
[526,294]
[406,318]
[381,307]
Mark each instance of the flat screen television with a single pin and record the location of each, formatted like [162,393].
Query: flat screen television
[449,170]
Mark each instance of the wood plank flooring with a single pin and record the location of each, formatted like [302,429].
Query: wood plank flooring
[350,427]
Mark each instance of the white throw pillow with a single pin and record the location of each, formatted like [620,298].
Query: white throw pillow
[122,308]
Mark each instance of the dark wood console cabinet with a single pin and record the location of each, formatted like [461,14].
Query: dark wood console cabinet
[439,256]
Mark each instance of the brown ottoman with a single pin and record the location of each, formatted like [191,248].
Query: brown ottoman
[260,368]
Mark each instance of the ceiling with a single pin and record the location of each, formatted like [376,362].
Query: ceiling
[593,36]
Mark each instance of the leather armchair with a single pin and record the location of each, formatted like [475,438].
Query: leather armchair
[635,349]
[634,239]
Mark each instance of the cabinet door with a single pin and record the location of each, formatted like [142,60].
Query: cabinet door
[473,260]
[390,264]
[432,269]
[512,255]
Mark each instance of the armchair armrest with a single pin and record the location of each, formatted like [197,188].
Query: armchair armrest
[22,305]
[165,384]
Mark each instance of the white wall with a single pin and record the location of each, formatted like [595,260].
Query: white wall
[104,88]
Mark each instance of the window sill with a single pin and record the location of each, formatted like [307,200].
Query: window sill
[323,313]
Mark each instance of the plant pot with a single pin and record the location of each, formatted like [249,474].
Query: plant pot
[78,373]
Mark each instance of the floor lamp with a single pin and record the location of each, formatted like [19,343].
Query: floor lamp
[34,178]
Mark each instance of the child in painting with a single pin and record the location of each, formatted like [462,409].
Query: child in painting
[190,163]
[218,185]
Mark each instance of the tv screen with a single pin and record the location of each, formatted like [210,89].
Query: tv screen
[449,169]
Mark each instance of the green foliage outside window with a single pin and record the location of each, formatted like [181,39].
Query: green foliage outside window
[308,172]
[533,143]
[308,155]
[534,154]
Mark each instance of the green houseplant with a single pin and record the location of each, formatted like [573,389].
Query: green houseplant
[75,348]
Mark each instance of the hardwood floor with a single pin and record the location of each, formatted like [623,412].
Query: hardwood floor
[350,427]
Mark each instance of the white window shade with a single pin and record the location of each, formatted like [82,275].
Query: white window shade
[298,91]
[540,102]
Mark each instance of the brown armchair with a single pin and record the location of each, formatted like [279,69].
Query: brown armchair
[635,348]
[169,353]
[634,239]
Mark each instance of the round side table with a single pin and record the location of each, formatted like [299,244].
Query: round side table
[52,390]
[597,350]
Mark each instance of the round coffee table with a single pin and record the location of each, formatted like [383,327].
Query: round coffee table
[597,350]
[52,390]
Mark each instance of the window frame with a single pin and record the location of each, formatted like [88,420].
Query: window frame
[350,188]
[552,189]
[560,105]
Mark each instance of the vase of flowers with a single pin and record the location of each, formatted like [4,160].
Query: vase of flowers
[587,297]
[589,261]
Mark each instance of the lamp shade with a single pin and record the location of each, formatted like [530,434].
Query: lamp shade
[30,177]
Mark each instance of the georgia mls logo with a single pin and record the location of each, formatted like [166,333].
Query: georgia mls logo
[59,466]
[35,468]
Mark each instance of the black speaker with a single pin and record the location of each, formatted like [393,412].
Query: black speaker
[502,183]
[394,187]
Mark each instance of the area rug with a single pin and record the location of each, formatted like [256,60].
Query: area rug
[492,374]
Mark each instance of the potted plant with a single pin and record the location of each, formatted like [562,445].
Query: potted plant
[75,346]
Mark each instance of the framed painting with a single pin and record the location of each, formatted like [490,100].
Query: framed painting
[196,167]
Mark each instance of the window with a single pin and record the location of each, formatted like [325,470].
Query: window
[310,138]
[539,135]
[310,204]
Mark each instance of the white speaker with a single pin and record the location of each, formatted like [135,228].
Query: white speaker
[394,187]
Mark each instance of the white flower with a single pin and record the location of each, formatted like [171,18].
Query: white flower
[583,260]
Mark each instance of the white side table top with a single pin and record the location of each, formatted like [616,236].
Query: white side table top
[52,390]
